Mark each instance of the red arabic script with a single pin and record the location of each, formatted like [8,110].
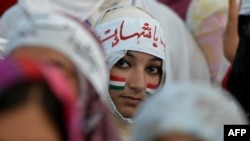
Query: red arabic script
[146,32]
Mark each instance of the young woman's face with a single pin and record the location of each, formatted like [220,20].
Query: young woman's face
[49,55]
[137,72]
[27,123]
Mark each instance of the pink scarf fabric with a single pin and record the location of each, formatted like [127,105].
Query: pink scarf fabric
[88,121]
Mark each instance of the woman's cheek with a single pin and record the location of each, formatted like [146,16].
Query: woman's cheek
[117,83]
[151,88]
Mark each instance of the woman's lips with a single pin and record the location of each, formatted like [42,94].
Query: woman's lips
[132,100]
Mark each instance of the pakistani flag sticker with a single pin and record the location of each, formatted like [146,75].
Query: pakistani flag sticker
[151,88]
[117,82]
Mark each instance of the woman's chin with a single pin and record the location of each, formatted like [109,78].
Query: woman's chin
[127,113]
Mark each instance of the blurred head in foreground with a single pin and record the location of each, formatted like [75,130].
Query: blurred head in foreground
[64,41]
[37,103]
[187,112]
[71,46]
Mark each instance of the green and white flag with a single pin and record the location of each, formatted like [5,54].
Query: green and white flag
[117,82]
[151,88]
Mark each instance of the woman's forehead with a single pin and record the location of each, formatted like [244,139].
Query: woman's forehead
[138,54]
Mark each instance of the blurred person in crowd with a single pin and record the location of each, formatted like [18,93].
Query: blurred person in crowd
[206,19]
[74,49]
[237,80]
[182,47]
[135,50]
[37,103]
[65,42]
[188,112]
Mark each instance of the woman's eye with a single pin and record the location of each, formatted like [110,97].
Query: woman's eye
[154,70]
[122,64]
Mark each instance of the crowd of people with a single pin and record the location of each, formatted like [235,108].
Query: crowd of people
[123,70]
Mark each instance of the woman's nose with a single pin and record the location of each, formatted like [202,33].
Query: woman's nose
[137,80]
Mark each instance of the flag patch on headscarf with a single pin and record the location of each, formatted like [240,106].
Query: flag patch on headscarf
[117,82]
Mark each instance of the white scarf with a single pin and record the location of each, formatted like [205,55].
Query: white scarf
[68,37]
[245,7]
[78,8]
[192,108]
[2,44]
[83,9]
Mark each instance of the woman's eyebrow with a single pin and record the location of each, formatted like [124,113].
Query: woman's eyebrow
[130,55]
[155,59]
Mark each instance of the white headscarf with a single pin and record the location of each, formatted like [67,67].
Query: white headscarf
[9,20]
[68,37]
[245,7]
[194,109]
[2,44]
[79,8]
[129,28]
[85,10]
